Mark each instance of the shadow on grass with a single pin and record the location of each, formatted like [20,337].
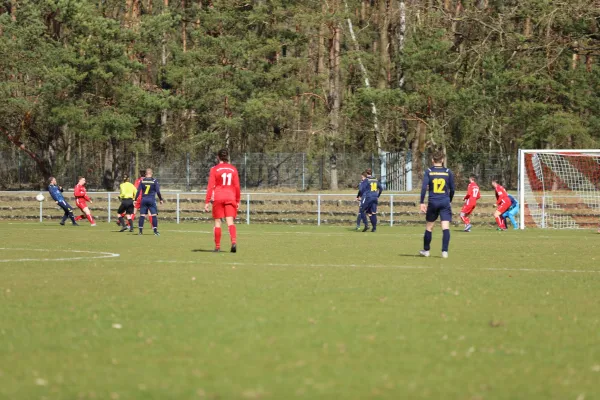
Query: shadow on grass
[202,251]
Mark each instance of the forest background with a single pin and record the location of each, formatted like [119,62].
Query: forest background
[105,87]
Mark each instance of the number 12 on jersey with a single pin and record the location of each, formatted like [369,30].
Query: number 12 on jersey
[226,178]
[439,185]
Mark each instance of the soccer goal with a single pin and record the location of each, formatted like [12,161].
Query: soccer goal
[559,189]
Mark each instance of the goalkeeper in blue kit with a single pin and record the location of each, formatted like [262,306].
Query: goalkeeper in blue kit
[511,212]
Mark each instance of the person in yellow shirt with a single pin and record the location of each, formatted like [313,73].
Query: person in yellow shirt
[127,195]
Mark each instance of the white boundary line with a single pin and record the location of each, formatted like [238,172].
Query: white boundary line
[441,268]
[235,264]
[103,254]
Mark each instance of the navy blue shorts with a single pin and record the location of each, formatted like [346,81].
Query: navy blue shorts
[442,210]
[148,206]
[65,206]
[369,205]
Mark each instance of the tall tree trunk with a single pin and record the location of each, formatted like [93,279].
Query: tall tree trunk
[367,84]
[183,27]
[400,38]
[384,55]
[322,39]
[163,63]
[334,100]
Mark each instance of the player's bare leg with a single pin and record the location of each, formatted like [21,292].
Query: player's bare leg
[232,233]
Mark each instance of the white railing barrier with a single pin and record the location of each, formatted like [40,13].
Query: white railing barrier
[319,210]
[392,198]
[248,209]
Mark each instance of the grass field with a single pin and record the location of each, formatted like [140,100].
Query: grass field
[299,312]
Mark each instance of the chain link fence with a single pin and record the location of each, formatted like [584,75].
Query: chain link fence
[257,171]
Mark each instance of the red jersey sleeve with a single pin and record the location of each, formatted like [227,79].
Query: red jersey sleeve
[469,192]
[236,186]
[211,186]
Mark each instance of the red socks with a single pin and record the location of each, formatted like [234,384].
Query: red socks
[217,232]
[79,217]
[232,233]
[465,219]
[90,218]
[500,222]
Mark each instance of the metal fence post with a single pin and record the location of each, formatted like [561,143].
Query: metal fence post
[391,210]
[319,209]
[41,211]
[108,207]
[245,168]
[248,209]
[177,208]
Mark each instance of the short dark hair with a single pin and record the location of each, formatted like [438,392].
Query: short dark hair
[369,171]
[364,173]
[437,156]
[125,178]
[473,176]
[223,155]
[79,178]
[142,172]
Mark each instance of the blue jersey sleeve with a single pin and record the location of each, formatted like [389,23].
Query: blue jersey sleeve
[158,190]
[379,188]
[450,185]
[424,186]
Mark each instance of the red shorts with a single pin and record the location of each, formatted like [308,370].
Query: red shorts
[468,209]
[503,207]
[81,203]
[137,204]
[224,208]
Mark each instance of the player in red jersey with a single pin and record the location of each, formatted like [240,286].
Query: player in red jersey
[470,200]
[81,199]
[503,202]
[224,191]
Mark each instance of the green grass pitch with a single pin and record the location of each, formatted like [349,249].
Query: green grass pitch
[299,312]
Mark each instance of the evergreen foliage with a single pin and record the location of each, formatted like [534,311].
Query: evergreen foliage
[111,80]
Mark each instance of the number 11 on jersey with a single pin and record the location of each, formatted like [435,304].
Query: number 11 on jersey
[226,178]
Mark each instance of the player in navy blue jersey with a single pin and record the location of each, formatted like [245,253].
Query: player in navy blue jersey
[361,215]
[56,193]
[148,190]
[439,180]
[370,190]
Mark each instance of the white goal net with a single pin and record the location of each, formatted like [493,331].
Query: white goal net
[559,188]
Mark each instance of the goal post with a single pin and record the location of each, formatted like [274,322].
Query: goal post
[559,189]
